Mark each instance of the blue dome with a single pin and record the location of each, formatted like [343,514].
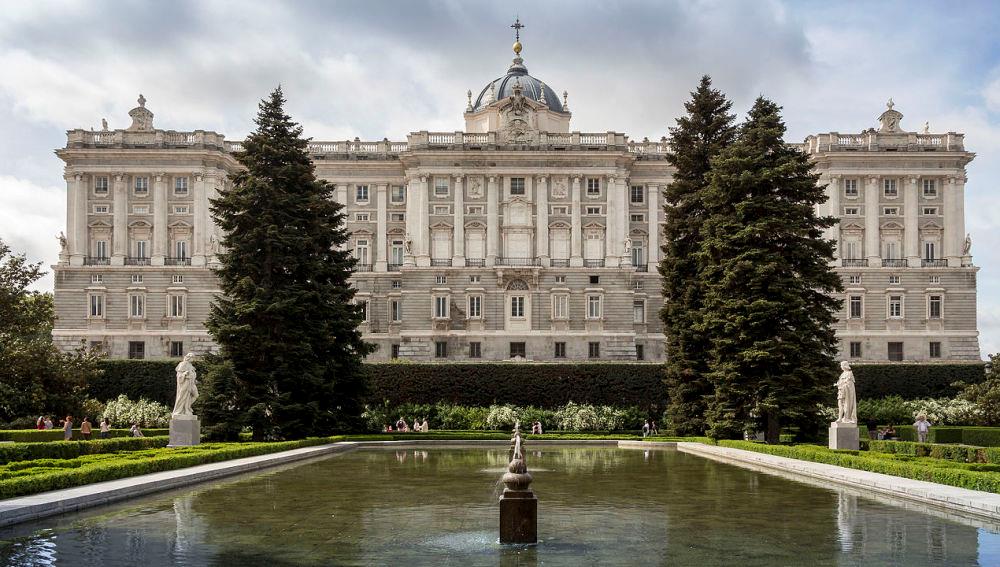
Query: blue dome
[530,88]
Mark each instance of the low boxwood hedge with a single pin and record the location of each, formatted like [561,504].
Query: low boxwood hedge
[43,435]
[966,435]
[10,452]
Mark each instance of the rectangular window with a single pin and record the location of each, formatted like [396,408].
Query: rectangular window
[397,284]
[856,305]
[140,210]
[177,279]
[934,303]
[475,210]
[889,187]
[142,249]
[361,217]
[475,306]
[101,185]
[97,305]
[181,209]
[181,249]
[895,307]
[517,186]
[440,187]
[101,209]
[475,279]
[560,351]
[893,280]
[101,248]
[638,194]
[595,279]
[855,349]
[560,210]
[442,210]
[397,217]
[136,350]
[361,193]
[637,218]
[930,250]
[440,349]
[141,185]
[96,278]
[851,211]
[593,186]
[895,352]
[137,306]
[176,349]
[441,307]
[518,350]
[637,284]
[852,250]
[440,279]
[395,311]
[640,352]
[935,349]
[136,279]
[638,311]
[931,211]
[560,279]
[397,194]
[638,254]
[856,279]
[594,310]
[850,187]
[892,250]
[396,253]
[365,310]
[594,350]
[930,188]
[934,279]
[517,306]
[176,306]
[180,186]
[361,251]
[890,211]
[593,210]
[394,350]
[560,306]
[475,349]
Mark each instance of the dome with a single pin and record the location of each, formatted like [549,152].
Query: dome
[530,88]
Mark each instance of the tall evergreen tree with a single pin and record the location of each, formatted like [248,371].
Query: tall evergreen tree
[287,321]
[768,284]
[701,134]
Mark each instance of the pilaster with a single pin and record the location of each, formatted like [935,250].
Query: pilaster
[159,219]
[653,225]
[424,241]
[119,235]
[542,219]
[613,242]
[873,250]
[76,218]
[492,220]
[412,222]
[458,244]
[576,230]
[201,221]
[911,232]
[381,220]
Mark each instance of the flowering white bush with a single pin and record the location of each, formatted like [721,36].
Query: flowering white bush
[123,412]
[502,417]
[583,417]
[946,412]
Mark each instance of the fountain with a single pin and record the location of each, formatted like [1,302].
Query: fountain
[518,505]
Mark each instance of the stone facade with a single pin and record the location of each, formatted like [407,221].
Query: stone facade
[516,238]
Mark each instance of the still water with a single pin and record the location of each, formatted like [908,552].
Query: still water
[437,506]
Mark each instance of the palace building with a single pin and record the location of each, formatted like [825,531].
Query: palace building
[513,238]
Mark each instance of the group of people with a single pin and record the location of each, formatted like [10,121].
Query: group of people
[650,428]
[86,428]
[536,428]
[402,426]
[922,426]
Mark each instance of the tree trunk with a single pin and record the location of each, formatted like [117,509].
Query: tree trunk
[773,435]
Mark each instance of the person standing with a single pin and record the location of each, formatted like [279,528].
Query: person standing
[68,428]
[645,429]
[48,422]
[653,429]
[40,424]
[85,429]
[923,427]
[105,428]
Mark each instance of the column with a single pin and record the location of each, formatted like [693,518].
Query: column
[492,220]
[76,219]
[612,220]
[576,231]
[119,236]
[911,234]
[213,234]
[381,218]
[159,219]
[833,209]
[624,211]
[959,191]
[458,244]
[542,219]
[201,221]
[873,250]
[424,218]
[954,220]
[412,226]
[653,226]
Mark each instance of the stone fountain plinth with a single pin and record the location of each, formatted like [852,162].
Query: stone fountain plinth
[518,505]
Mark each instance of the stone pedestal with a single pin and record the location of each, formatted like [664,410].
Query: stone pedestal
[185,431]
[518,517]
[844,436]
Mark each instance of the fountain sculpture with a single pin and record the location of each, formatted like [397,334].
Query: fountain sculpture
[518,505]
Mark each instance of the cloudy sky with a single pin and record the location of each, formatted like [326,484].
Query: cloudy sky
[382,69]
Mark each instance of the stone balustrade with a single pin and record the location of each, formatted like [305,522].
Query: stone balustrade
[142,139]
[882,141]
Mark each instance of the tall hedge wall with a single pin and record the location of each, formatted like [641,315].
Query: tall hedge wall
[914,381]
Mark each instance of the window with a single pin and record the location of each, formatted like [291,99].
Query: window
[638,254]
[593,210]
[560,350]
[560,306]
[395,311]
[889,188]
[101,185]
[930,250]
[890,211]
[136,279]
[893,280]
[593,186]
[440,187]
[640,352]
[851,211]
[855,349]
[140,210]
[935,349]
[396,253]
[517,186]
[442,210]
[638,311]
[934,303]
[518,350]
[930,188]
[895,307]
[475,349]
[361,251]
[594,310]
[96,278]
[97,305]
[397,217]
[475,210]
[177,279]
[475,306]
[595,279]
[637,217]
[594,350]
[180,186]
[637,284]
[137,306]
[637,194]
[855,279]
[891,250]
[896,352]
[475,279]
[440,307]
[850,187]
[394,350]
[397,284]
[361,217]
[856,306]
[365,311]
[181,209]
[181,249]
[361,193]
[176,349]
[517,306]
[440,279]
[852,249]
[934,279]
[397,194]
[142,249]
[136,350]
[440,349]
[176,306]
[560,279]
[101,248]
[101,209]
[141,185]
[560,210]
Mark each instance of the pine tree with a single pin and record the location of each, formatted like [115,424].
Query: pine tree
[768,283]
[701,134]
[287,321]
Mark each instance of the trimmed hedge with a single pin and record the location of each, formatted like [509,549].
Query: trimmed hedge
[154,380]
[73,449]
[48,435]
[914,381]
[957,453]
[980,436]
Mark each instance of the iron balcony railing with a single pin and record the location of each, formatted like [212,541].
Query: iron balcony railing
[393,267]
[504,261]
[642,267]
[934,263]
[176,261]
[440,262]
[96,261]
[854,262]
[362,267]
[593,263]
[475,262]
[894,262]
[136,261]
[560,263]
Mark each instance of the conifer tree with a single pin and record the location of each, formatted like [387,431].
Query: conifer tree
[769,307]
[702,133]
[287,321]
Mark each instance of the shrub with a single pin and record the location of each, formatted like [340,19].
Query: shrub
[51,435]
[890,409]
[945,411]
[914,381]
[144,412]
[985,395]
[153,380]
[73,449]
[982,436]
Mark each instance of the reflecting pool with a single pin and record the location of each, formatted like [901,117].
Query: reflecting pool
[438,506]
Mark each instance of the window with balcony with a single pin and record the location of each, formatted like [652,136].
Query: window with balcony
[396,254]
[181,250]
[361,250]
[517,186]
[101,248]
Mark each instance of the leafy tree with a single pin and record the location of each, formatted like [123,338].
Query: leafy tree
[701,134]
[769,308]
[218,401]
[986,394]
[287,321]
[35,377]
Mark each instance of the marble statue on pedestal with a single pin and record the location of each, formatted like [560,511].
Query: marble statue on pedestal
[847,405]
[187,388]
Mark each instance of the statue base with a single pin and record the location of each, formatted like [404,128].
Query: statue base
[518,517]
[185,431]
[844,436]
